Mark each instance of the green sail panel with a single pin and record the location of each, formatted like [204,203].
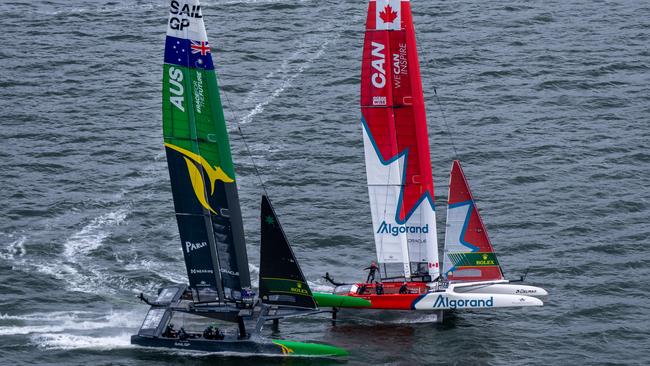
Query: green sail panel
[200,164]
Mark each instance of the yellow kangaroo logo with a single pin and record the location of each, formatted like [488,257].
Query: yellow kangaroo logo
[214,173]
[285,350]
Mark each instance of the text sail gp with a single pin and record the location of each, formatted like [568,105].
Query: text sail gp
[178,20]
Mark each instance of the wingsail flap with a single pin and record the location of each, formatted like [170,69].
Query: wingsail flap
[281,279]
[400,182]
[198,155]
[469,255]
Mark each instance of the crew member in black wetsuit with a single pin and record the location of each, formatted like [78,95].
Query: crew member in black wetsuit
[371,272]
[362,289]
[182,334]
[170,332]
[213,332]
[403,289]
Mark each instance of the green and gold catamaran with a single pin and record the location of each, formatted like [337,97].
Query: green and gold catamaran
[209,220]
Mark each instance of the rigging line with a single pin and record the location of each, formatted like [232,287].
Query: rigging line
[444,120]
[243,138]
[428,61]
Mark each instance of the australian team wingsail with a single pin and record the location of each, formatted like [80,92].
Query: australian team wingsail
[209,220]
[398,165]
[200,164]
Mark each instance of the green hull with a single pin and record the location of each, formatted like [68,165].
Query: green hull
[339,301]
[291,348]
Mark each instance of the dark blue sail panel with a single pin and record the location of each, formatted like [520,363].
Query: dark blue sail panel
[202,270]
[188,53]
[231,278]
[209,239]
[196,250]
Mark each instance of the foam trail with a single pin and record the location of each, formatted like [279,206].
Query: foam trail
[71,341]
[75,268]
[123,7]
[319,286]
[74,321]
[288,81]
[417,319]
[53,316]
[255,271]
[13,249]
[91,236]
[160,269]
[233,2]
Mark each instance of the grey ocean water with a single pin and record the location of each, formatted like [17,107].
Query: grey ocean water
[548,103]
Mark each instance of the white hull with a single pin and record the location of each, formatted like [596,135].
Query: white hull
[451,300]
[501,288]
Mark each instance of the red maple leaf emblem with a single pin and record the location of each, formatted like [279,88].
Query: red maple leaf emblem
[388,15]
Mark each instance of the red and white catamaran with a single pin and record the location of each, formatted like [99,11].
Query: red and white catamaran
[400,186]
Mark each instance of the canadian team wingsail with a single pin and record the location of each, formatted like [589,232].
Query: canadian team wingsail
[209,219]
[400,186]
[398,165]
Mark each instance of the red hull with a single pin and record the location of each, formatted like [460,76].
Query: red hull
[391,299]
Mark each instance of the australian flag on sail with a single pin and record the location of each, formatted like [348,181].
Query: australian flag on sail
[188,53]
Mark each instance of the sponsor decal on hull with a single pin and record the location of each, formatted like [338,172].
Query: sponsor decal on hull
[443,302]
[525,292]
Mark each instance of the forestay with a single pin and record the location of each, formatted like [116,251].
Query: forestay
[400,182]
[200,165]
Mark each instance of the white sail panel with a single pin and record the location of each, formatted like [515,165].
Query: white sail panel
[186,20]
[384,187]
[422,239]
[456,217]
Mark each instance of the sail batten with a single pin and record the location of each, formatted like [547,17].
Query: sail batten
[400,182]
[200,165]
